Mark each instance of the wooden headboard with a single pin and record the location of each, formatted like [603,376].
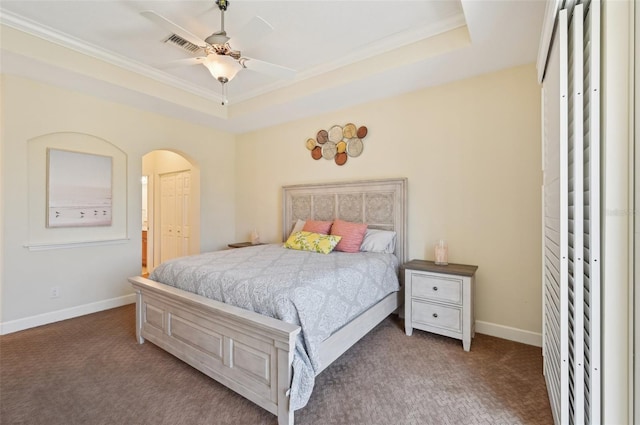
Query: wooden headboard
[382,204]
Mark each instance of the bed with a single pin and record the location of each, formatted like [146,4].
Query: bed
[253,354]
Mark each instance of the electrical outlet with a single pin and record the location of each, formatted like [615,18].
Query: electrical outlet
[55,292]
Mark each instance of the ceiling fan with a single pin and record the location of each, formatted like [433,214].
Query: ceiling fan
[222,61]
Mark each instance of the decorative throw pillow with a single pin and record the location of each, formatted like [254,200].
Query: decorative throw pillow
[352,235]
[379,241]
[315,226]
[308,241]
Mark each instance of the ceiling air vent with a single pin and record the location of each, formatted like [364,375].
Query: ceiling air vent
[182,43]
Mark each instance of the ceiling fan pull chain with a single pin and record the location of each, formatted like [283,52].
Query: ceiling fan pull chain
[224,94]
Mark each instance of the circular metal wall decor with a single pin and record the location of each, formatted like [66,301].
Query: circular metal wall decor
[341,158]
[311,144]
[354,147]
[335,134]
[338,143]
[322,137]
[329,150]
[349,131]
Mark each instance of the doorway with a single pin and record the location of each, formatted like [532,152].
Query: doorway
[171,208]
[145,223]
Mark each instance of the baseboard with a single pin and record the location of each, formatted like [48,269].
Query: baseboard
[512,334]
[487,328]
[67,313]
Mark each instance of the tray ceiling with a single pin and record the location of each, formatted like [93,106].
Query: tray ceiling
[344,52]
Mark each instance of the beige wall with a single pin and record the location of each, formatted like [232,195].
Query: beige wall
[471,153]
[95,274]
[469,149]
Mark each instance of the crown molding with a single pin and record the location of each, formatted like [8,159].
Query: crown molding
[51,35]
[381,47]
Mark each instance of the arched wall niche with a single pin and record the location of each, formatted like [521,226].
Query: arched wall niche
[43,237]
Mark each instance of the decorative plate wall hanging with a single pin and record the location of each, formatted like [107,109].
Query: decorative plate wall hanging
[338,143]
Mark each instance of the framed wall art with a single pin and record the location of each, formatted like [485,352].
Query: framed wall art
[79,189]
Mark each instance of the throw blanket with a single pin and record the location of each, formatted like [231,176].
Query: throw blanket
[319,292]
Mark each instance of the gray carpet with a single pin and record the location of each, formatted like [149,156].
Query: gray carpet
[90,370]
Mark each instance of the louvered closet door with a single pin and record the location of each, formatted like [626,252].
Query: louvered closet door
[591,219]
[575,217]
[555,223]
[572,217]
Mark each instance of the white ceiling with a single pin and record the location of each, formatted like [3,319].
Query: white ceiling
[344,52]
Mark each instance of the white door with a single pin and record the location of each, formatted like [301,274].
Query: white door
[174,214]
[183,202]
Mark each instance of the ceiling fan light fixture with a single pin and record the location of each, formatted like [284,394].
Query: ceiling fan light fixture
[222,67]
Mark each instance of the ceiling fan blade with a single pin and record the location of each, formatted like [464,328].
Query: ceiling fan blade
[268,68]
[251,34]
[174,28]
[184,62]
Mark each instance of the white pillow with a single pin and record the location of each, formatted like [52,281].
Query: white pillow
[297,227]
[379,241]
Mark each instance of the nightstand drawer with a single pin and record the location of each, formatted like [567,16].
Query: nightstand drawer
[436,288]
[437,315]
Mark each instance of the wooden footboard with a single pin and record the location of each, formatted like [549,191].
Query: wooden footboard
[245,351]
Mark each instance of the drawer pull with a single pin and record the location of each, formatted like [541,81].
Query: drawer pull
[435,315]
[435,288]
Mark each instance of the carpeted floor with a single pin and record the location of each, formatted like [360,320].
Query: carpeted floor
[90,370]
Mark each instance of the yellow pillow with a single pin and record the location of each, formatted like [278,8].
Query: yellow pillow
[308,241]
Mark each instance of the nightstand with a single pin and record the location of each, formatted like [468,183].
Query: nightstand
[439,299]
[243,244]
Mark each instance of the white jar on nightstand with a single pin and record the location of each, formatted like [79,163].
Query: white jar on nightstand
[439,299]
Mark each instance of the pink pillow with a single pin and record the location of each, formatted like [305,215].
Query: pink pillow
[314,226]
[352,235]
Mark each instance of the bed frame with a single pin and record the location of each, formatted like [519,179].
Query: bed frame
[250,353]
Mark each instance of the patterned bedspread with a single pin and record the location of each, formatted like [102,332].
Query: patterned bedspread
[320,293]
